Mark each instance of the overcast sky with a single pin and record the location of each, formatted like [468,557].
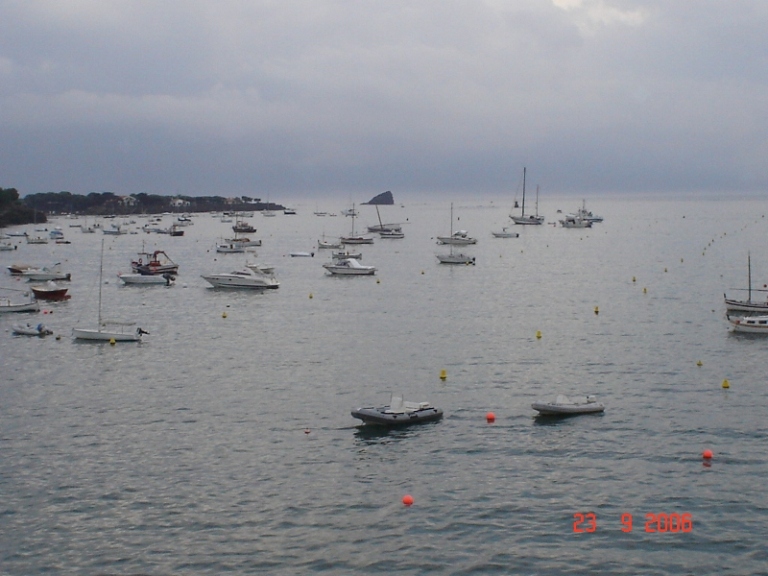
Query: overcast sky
[304,98]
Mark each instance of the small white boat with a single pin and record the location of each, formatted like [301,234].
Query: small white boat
[45,273]
[458,238]
[7,306]
[574,221]
[565,406]
[231,248]
[302,254]
[749,324]
[37,240]
[349,267]
[147,279]
[391,234]
[108,330]
[247,278]
[505,233]
[30,330]
[7,247]
[456,258]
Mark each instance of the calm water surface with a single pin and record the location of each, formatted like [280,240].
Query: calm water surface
[187,453]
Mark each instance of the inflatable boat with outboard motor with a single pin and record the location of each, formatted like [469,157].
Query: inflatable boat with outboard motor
[398,413]
[565,406]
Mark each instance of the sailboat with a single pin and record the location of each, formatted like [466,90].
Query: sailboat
[352,239]
[530,219]
[747,305]
[102,333]
[454,257]
[390,231]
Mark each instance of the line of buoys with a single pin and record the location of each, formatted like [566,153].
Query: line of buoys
[223,314]
[443,374]
[645,290]
[699,363]
[538,334]
[597,310]
[112,342]
[310,296]
[726,384]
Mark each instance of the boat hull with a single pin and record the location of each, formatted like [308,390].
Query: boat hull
[225,281]
[381,416]
[746,306]
[106,335]
[548,409]
[26,307]
[147,279]
[456,259]
[749,324]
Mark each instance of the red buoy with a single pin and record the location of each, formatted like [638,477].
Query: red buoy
[407,499]
[490,417]
[707,454]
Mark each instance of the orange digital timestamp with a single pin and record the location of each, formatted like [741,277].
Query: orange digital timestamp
[659,522]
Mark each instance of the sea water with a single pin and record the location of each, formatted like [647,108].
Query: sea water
[223,443]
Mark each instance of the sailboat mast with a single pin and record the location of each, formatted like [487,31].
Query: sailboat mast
[749,276]
[522,209]
[101,275]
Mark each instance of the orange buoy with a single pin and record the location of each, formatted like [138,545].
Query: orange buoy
[408,500]
[490,417]
[707,454]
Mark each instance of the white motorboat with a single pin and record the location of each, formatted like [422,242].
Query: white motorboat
[46,273]
[108,330]
[166,279]
[749,324]
[247,278]
[30,330]
[231,248]
[391,235]
[349,267]
[114,230]
[747,305]
[37,240]
[302,254]
[458,238]
[7,247]
[530,219]
[587,215]
[7,306]
[574,221]
[505,233]
[565,406]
